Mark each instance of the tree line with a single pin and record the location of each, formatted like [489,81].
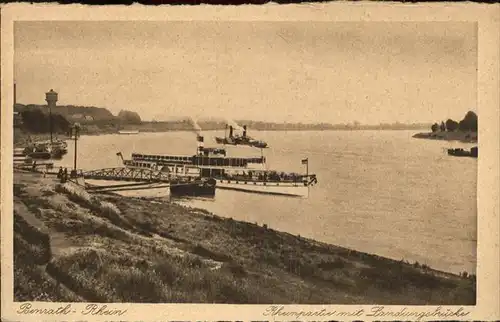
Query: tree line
[36,121]
[467,124]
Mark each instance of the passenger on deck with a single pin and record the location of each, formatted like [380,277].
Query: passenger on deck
[65,175]
[60,173]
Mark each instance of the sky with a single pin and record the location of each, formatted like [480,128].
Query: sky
[335,72]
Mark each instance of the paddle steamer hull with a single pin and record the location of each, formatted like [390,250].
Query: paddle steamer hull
[297,189]
[150,190]
[155,190]
[247,174]
[201,189]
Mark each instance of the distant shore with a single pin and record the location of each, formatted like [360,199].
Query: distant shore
[71,246]
[21,138]
[465,137]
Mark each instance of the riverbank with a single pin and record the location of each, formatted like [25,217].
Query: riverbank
[94,247]
[465,137]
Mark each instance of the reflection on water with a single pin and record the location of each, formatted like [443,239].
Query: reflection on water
[379,191]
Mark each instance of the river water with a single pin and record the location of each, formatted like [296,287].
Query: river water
[381,192]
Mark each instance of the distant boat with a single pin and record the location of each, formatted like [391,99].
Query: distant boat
[243,139]
[463,153]
[128,132]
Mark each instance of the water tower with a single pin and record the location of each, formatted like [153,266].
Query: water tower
[51,98]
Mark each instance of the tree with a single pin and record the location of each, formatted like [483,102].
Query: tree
[61,125]
[129,117]
[469,123]
[451,125]
[443,127]
[435,127]
[36,121]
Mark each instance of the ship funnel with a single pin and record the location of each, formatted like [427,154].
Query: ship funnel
[230,131]
[244,130]
[200,140]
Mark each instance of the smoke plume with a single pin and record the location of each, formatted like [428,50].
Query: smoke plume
[196,126]
[235,125]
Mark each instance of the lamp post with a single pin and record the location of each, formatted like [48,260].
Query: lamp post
[75,131]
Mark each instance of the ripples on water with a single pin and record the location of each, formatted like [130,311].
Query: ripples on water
[381,192]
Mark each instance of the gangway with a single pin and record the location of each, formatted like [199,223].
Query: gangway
[132,174]
[141,178]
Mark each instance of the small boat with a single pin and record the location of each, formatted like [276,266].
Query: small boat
[39,155]
[31,164]
[131,132]
[46,149]
[459,152]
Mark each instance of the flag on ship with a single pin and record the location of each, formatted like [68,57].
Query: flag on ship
[200,138]
[119,154]
[305,161]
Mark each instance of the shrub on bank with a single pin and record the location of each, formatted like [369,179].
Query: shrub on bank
[83,198]
[103,277]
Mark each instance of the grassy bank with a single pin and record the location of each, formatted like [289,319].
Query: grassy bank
[466,137]
[73,246]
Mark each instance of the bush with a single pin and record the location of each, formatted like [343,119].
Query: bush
[338,263]
[451,125]
[204,252]
[236,269]
[84,199]
[132,284]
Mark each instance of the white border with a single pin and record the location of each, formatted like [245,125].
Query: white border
[487,17]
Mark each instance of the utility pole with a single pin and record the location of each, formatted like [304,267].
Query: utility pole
[76,133]
[50,125]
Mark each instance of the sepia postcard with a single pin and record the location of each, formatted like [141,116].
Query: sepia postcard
[333,161]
